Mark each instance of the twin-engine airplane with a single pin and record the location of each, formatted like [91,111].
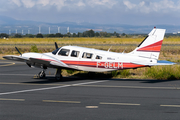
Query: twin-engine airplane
[93,60]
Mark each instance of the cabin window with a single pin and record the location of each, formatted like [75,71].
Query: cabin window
[98,57]
[74,53]
[55,51]
[87,55]
[64,52]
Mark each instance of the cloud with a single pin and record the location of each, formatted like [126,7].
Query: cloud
[80,4]
[44,3]
[107,3]
[16,2]
[129,5]
[28,3]
[157,6]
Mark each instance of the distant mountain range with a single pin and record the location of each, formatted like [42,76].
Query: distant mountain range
[10,25]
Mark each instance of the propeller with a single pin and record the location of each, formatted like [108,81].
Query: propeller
[56,45]
[18,51]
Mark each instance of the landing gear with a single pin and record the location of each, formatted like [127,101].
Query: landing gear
[58,75]
[42,74]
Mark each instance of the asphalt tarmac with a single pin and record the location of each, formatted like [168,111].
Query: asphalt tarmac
[25,97]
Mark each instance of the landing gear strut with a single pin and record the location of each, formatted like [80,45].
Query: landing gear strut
[58,75]
[42,74]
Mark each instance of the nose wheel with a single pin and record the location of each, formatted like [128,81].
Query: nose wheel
[42,74]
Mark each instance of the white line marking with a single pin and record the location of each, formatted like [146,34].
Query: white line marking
[61,101]
[40,89]
[104,103]
[170,105]
[91,106]
[105,86]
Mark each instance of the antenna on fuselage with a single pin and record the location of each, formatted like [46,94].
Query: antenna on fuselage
[124,50]
[109,48]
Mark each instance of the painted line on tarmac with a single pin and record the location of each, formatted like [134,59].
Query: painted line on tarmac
[141,87]
[6,99]
[132,104]
[170,105]
[103,86]
[9,64]
[4,83]
[90,107]
[55,101]
[49,88]
[18,74]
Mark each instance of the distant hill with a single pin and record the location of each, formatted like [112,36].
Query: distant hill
[8,23]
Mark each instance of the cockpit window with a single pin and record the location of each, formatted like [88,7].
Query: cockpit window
[55,51]
[98,57]
[74,53]
[87,55]
[64,52]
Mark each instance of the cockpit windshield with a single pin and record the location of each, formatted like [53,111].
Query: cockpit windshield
[55,51]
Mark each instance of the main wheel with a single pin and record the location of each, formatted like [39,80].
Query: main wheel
[59,77]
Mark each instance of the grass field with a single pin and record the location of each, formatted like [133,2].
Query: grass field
[169,51]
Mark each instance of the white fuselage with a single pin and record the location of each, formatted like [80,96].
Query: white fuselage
[88,59]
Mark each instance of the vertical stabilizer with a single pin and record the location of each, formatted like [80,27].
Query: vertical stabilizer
[150,47]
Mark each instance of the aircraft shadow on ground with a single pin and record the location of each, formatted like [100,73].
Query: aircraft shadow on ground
[76,77]
[143,80]
[91,76]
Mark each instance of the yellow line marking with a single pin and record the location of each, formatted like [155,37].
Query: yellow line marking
[61,101]
[31,84]
[104,103]
[12,99]
[91,106]
[130,87]
[7,64]
[170,105]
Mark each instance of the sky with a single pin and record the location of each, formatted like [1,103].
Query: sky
[132,12]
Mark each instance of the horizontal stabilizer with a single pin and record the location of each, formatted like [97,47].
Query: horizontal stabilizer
[164,62]
[159,62]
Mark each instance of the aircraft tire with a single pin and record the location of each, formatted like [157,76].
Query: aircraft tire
[59,78]
[41,75]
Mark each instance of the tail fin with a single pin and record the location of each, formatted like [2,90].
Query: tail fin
[150,47]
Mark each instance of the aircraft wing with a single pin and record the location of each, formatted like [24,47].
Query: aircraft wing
[48,62]
[16,58]
[159,62]
[32,61]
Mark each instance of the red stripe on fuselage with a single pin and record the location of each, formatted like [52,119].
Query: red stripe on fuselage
[156,47]
[105,65]
[98,64]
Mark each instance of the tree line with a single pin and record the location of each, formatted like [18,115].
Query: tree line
[89,33]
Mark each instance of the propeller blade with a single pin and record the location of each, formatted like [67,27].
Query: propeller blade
[18,51]
[56,45]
